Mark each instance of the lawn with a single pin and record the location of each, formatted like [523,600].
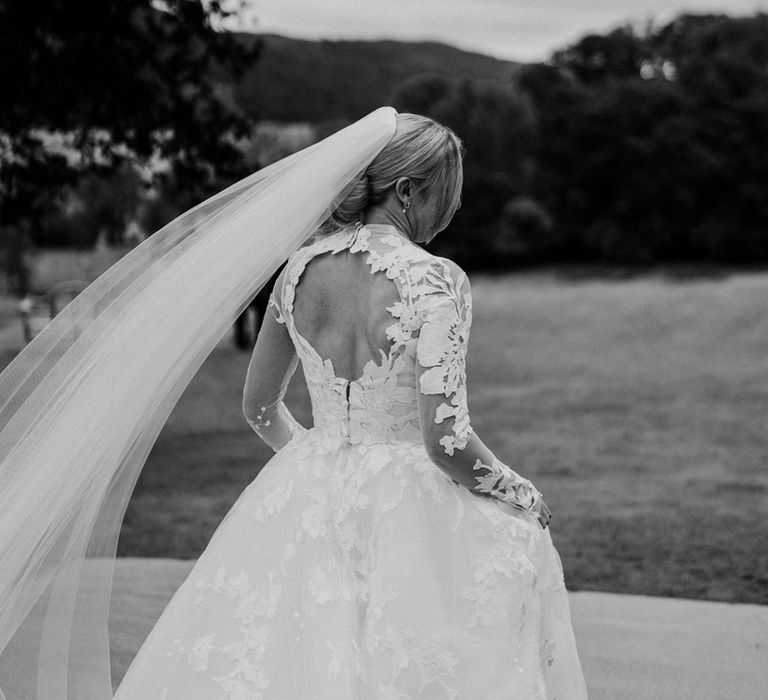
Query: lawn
[639,408]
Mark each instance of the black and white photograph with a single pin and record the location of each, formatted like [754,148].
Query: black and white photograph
[392,350]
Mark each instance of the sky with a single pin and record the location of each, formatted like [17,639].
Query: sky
[524,30]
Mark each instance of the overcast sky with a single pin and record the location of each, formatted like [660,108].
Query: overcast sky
[525,30]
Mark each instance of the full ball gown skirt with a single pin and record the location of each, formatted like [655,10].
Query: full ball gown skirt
[364,574]
[353,567]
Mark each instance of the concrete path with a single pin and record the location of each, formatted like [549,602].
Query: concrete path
[631,647]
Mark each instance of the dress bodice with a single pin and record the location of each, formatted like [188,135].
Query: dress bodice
[381,404]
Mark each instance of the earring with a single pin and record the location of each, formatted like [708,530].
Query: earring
[406,204]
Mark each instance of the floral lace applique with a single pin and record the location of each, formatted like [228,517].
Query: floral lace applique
[432,481]
[492,570]
[261,423]
[409,320]
[253,606]
[344,662]
[442,349]
[502,482]
[373,398]
[431,663]
[361,242]
[393,262]
[546,651]
[279,316]
[508,558]
[273,502]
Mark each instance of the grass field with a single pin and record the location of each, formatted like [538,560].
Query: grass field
[638,407]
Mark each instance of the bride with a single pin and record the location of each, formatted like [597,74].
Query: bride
[384,553]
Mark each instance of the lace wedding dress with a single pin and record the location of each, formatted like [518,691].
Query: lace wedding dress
[354,567]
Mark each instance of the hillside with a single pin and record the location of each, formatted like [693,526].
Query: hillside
[299,80]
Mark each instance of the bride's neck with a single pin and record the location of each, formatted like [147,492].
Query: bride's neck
[388,216]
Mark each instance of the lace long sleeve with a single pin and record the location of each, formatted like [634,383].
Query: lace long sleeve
[445,303]
[272,365]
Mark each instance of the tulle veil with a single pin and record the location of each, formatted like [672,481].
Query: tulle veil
[82,404]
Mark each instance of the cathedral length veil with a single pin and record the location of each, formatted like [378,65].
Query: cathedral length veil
[82,404]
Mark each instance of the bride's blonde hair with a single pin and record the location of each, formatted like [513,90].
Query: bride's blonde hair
[421,149]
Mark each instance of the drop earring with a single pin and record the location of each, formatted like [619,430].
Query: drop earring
[406,204]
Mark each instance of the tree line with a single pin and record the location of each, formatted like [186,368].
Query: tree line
[637,146]
[631,147]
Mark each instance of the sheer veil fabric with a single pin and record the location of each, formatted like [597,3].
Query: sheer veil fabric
[82,404]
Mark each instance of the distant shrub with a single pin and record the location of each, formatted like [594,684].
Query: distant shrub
[524,232]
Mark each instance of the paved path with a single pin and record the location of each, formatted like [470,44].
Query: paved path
[631,647]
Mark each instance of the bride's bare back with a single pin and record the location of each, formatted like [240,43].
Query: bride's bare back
[341,310]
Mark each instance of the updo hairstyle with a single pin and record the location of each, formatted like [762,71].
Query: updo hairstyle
[421,149]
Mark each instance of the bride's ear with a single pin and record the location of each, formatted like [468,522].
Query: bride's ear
[404,190]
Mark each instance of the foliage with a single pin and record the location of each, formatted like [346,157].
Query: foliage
[619,54]
[524,231]
[654,147]
[89,85]
[96,204]
[637,146]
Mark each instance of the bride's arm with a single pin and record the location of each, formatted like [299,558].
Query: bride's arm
[271,367]
[446,309]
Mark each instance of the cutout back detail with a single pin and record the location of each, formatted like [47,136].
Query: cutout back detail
[344,303]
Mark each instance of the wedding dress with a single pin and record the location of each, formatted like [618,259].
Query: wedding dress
[353,567]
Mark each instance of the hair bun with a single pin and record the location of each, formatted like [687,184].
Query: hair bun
[421,149]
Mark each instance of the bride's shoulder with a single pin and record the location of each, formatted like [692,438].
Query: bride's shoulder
[447,269]
[439,281]
[452,267]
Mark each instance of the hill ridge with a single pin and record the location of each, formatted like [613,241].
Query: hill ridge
[344,79]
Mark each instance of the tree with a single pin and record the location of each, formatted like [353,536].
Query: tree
[89,85]
[97,205]
[619,54]
[524,231]
[720,66]
[654,147]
